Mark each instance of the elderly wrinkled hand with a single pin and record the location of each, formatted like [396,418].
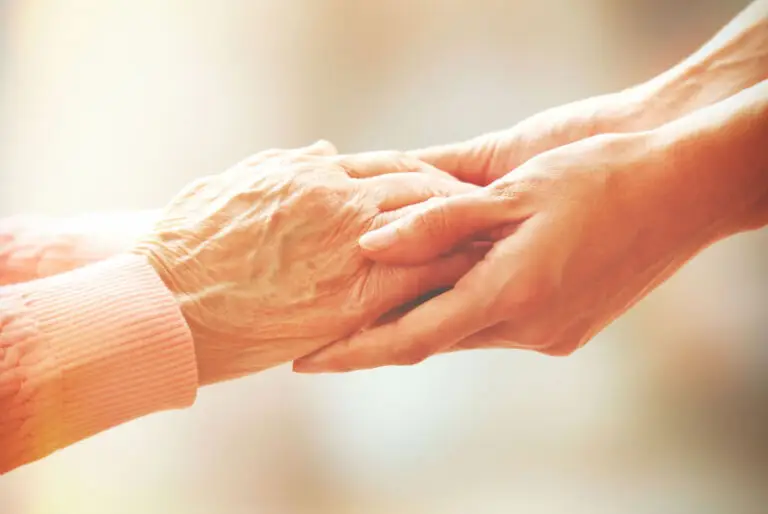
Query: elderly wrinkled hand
[264,257]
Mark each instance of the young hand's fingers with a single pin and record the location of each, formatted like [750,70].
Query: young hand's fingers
[396,190]
[426,230]
[428,329]
[468,161]
[508,285]
[373,164]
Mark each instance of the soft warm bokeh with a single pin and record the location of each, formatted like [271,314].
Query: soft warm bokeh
[117,104]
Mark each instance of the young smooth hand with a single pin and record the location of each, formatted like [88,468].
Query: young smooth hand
[580,234]
[735,59]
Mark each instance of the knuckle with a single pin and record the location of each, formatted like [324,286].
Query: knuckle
[352,166]
[431,223]
[399,162]
[409,162]
[539,339]
[572,339]
[507,196]
[502,191]
[528,296]
[565,342]
[522,187]
[342,161]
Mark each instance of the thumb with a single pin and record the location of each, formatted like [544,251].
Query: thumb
[435,227]
[468,161]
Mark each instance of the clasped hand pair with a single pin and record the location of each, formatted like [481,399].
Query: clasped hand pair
[533,238]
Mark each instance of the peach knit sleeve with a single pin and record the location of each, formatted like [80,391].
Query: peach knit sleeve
[86,350]
[39,246]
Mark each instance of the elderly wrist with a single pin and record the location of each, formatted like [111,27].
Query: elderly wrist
[166,265]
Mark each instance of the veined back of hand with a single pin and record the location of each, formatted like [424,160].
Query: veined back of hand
[264,257]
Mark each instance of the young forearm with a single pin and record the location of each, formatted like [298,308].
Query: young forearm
[734,59]
[715,163]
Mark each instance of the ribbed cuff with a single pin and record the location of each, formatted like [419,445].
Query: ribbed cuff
[120,344]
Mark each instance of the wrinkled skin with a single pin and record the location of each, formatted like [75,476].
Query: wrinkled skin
[264,257]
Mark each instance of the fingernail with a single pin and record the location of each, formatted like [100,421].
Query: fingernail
[309,365]
[379,239]
[300,367]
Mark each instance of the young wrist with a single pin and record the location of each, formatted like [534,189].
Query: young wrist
[711,165]
[732,61]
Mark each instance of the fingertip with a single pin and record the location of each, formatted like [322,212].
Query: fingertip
[379,239]
[323,360]
[306,367]
[309,364]
[395,250]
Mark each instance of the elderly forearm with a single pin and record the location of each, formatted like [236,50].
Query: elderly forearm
[87,350]
[36,247]
[736,58]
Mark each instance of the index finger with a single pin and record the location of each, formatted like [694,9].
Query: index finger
[373,164]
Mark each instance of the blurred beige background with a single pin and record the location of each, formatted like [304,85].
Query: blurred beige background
[117,104]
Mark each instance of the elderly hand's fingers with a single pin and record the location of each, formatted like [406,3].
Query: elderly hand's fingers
[320,147]
[428,329]
[397,190]
[372,164]
[434,227]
